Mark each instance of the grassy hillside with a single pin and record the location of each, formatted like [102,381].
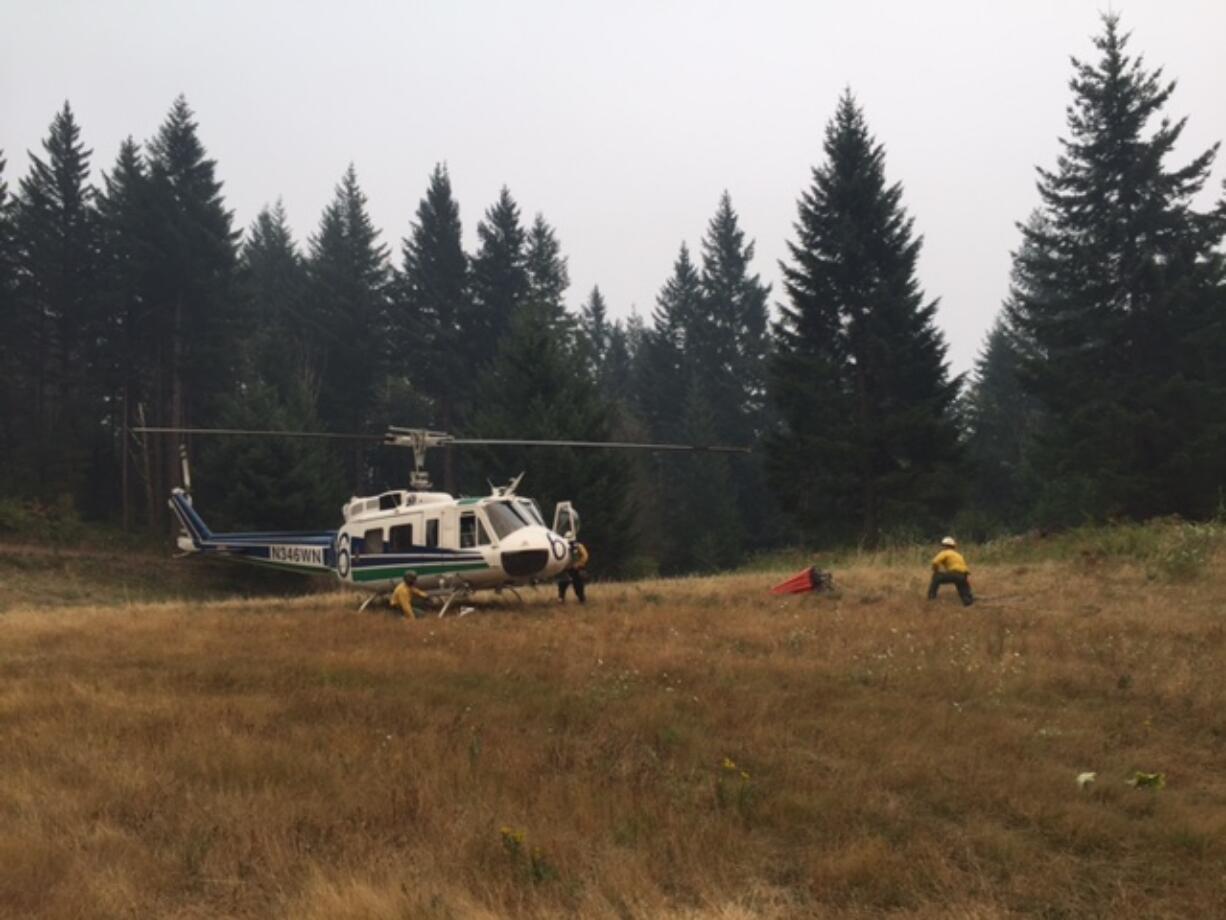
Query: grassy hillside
[47,577]
[688,748]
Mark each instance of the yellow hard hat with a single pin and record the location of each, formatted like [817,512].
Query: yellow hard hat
[950,542]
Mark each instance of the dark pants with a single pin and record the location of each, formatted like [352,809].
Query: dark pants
[959,580]
[571,577]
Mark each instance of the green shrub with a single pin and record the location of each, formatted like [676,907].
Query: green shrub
[31,520]
[1185,551]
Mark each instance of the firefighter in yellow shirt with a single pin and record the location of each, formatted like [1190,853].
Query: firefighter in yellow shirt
[408,598]
[574,573]
[949,568]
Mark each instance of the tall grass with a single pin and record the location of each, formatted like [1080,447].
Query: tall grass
[1168,548]
[684,748]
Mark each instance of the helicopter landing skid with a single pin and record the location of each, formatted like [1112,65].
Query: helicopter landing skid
[463,593]
[366,603]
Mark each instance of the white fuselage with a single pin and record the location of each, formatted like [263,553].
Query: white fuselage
[475,542]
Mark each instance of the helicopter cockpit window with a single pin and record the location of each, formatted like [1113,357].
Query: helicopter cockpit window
[504,519]
[389,500]
[402,538]
[527,506]
[372,542]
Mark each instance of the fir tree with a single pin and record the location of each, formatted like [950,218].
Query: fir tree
[347,287]
[499,273]
[728,350]
[270,483]
[433,317]
[617,368]
[273,285]
[674,403]
[56,313]
[126,234]
[867,437]
[194,321]
[8,358]
[727,344]
[597,331]
[709,533]
[661,373]
[547,274]
[1001,420]
[538,387]
[1122,355]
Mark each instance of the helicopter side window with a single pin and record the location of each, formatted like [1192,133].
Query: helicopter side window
[472,531]
[504,519]
[432,532]
[402,538]
[389,501]
[372,542]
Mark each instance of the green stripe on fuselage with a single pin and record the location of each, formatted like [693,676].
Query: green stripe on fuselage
[389,572]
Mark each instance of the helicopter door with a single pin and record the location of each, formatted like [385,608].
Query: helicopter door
[566,520]
[450,536]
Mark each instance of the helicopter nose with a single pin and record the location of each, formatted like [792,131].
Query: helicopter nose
[524,562]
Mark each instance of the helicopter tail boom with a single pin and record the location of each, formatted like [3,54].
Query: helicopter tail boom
[308,553]
[193,524]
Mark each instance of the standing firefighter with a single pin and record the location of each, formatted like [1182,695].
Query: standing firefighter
[574,573]
[949,568]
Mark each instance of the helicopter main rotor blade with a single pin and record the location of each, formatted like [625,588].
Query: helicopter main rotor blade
[246,432]
[601,445]
[399,436]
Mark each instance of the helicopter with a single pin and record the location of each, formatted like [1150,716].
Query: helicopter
[455,546]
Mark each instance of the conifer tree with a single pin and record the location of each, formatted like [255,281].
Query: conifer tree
[661,373]
[674,403]
[270,483]
[728,351]
[728,344]
[194,321]
[126,234]
[499,273]
[867,439]
[347,288]
[55,316]
[617,368]
[539,387]
[709,530]
[433,319]
[547,275]
[597,330]
[1001,420]
[1122,335]
[8,358]
[273,285]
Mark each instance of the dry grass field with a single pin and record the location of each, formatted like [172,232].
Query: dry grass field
[676,749]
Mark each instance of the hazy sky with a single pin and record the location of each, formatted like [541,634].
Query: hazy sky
[622,122]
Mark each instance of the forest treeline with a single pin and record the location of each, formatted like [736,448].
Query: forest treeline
[1099,393]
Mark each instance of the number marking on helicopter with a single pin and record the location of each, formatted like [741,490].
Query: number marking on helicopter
[297,555]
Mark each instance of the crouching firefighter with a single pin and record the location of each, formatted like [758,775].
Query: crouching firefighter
[949,568]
